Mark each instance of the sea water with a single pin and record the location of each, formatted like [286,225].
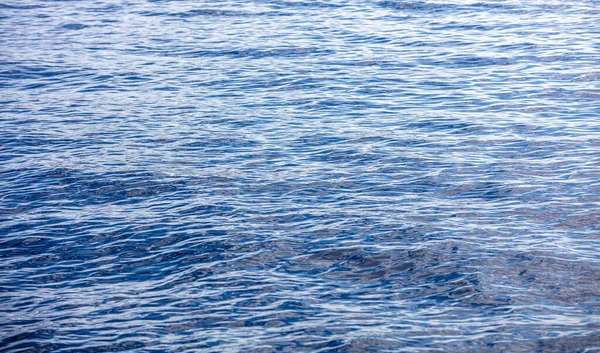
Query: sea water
[300,176]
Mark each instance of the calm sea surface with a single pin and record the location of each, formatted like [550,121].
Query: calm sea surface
[300,176]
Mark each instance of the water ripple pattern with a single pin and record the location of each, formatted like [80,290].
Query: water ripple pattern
[300,176]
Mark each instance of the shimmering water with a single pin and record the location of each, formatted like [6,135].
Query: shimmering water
[300,176]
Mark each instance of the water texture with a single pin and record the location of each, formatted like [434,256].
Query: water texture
[300,176]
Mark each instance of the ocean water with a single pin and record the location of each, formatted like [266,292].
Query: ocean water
[300,176]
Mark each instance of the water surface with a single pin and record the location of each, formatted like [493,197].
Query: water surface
[299,176]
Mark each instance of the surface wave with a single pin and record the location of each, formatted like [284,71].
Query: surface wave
[306,176]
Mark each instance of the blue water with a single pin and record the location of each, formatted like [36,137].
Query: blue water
[300,176]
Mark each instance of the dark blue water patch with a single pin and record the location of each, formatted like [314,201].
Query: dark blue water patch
[112,8]
[435,7]
[19,7]
[74,26]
